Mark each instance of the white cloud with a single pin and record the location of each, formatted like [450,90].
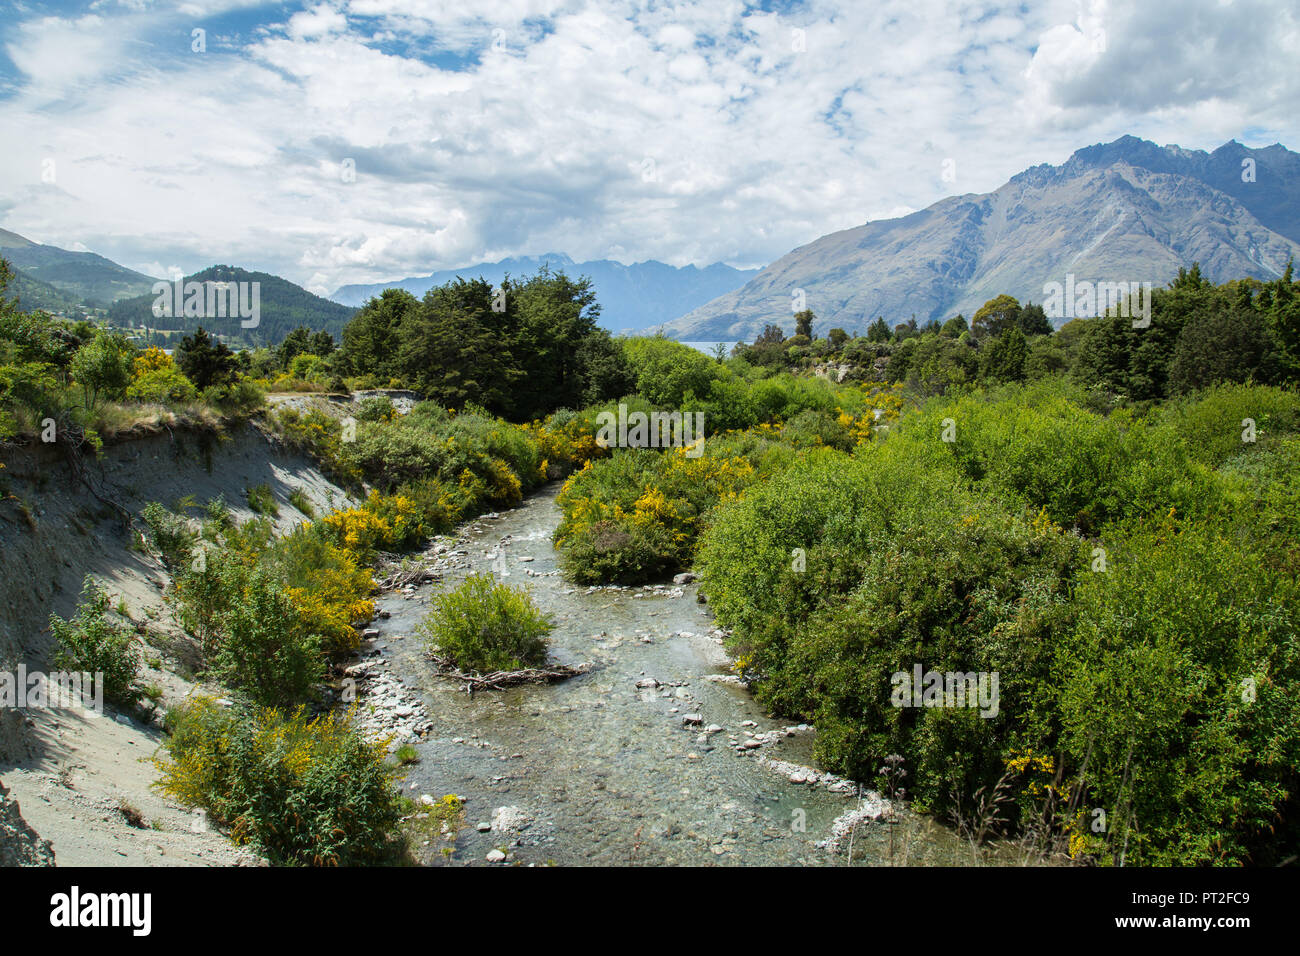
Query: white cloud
[321,21]
[55,53]
[761,139]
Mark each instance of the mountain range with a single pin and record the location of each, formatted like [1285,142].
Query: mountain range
[81,277]
[1126,211]
[632,298]
[1123,211]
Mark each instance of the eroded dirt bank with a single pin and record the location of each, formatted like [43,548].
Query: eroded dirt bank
[70,773]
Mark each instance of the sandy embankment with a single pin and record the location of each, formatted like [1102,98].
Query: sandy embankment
[69,773]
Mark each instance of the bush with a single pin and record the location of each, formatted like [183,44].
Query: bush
[170,534]
[91,643]
[667,371]
[487,626]
[298,498]
[165,385]
[635,516]
[1212,423]
[605,552]
[268,652]
[237,399]
[376,408]
[327,585]
[381,523]
[983,595]
[1123,681]
[103,367]
[301,791]
[1180,693]
[261,500]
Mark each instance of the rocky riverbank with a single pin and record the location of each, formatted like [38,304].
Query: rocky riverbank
[655,754]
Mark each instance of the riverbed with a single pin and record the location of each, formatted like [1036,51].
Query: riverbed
[598,770]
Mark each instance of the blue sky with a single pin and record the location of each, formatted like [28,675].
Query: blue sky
[680,131]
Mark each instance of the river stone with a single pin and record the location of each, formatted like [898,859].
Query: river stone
[495,856]
[692,719]
[684,578]
[510,819]
[647,682]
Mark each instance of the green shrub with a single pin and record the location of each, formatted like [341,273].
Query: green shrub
[608,552]
[169,533]
[298,498]
[667,371]
[302,791]
[487,626]
[376,408]
[262,500]
[103,368]
[164,385]
[238,399]
[91,643]
[985,595]
[636,515]
[266,652]
[1189,766]
[1212,424]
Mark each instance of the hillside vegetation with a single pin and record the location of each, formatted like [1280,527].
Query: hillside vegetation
[1102,517]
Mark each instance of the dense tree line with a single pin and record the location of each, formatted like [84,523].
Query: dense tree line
[520,350]
[1199,335]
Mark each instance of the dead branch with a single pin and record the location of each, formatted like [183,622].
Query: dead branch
[497,680]
[400,577]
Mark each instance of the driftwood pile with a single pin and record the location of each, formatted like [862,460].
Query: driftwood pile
[496,680]
[399,577]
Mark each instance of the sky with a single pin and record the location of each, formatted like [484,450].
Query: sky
[366,140]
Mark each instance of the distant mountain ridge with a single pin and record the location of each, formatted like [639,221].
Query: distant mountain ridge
[81,276]
[635,297]
[1122,211]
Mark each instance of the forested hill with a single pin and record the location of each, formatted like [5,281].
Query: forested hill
[81,277]
[284,307]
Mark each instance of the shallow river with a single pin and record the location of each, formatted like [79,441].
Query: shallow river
[604,772]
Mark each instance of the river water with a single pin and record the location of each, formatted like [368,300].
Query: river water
[599,771]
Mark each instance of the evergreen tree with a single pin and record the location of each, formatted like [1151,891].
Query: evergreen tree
[803,323]
[205,361]
[1004,358]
